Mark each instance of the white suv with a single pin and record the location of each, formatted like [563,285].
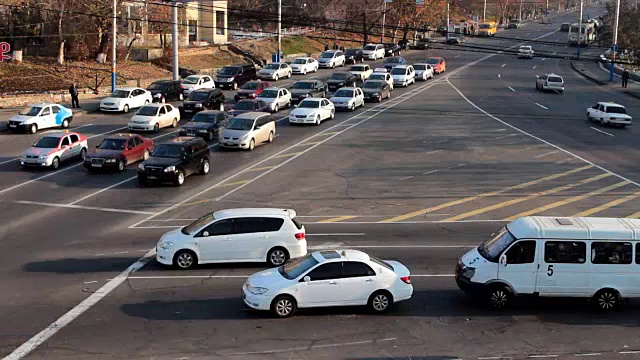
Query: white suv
[235,235]
[550,82]
[331,59]
[403,75]
[609,113]
[373,51]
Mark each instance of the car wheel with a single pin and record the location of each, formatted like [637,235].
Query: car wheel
[120,165]
[283,306]
[221,107]
[353,107]
[156,128]
[289,75]
[288,104]
[277,256]
[389,95]
[276,108]
[275,78]
[65,123]
[333,114]
[499,297]
[146,155]
[146,102]
[185,260]
[602,122]
[55,163]
[163,100]
[235,86]
[270,139]
[179,178]
[33,129]
[125,109]
[174,123]
[606,299]
[210,136]
[252,145]
[83,154]
[317,120]
[206,166]
[181,97]
[304,72]
[380,301]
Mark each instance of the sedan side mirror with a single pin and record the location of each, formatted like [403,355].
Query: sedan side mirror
[503,260]
[98,146]
[306,279]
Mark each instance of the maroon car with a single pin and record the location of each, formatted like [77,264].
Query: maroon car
[251,90]
[249,105]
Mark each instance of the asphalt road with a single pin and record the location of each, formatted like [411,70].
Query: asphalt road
[420,178]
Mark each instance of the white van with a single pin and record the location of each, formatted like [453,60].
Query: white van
[596,258]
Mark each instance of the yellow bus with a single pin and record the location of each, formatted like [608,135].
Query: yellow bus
[488,28]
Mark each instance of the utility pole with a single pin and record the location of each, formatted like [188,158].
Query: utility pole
[175,47]
[484,12]
[114,47]
[279,31]
[580,30]
[447,33]
[384,15]
[614,47]
[520,16]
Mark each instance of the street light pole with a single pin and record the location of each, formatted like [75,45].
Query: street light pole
[614,47]
[175,45]
[484,12]
[447,33]
[279,31]
[580,30]
[520,16]
[114,47]
[384,15]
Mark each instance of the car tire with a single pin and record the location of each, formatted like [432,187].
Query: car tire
[606,299]
[276,78]
[179,178]
[389,95]
[283,306]
[380,301]
[210,136]
[271,137]
[206,166]
[185,260]
[353,107]
[33,128]
[83,154]
[55,164]
[276,108]
[156,128]
[277,256]
[146,155]
[252,145]
[304,72]
[121,165]
[499,297]
[289,75]
[65,124]
[181,97]
[318,121]
[333,114]
[125,109]
[146,102]
[174,123]
[235,86]
[288,104]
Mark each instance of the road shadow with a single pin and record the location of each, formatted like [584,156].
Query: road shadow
[156,266]
[434,357]
[79,266]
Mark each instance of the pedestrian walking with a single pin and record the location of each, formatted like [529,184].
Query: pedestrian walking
[625,78]
[326,47]
[73,91]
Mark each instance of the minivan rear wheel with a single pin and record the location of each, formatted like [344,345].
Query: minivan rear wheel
[607,299]
[277,256]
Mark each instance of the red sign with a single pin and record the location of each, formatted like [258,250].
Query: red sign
[5,48]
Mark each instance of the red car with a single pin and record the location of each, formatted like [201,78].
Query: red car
[251,90]
[117,151]
[438,64]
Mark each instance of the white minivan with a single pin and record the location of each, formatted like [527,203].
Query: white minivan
[597,258]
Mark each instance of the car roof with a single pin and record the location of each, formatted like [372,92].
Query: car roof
[305,81]
[348,88]
[303,57]
[274,88]
[155,105]
[279,212]
[553,74]
[59,134]
[247,100]
[184,139]
[129,88]
[578,228]
[252,115]
[340,255]
[435,57]
[120,136]
[43,104]
[609,103]
[210,112]
[198,75]
[402,66]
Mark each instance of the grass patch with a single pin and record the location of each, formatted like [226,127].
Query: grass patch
[299,44]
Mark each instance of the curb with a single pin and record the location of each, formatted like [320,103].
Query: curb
[582,72]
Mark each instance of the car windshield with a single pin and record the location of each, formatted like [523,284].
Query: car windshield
[158,86]
[229,70]
[147,111]
[398,71]
[48,142]
[352,52]
[616,110]
[357,68]
[191,80]
[194,226]
[372,84]
[269,94]
[493,248]
[204,118]
[526,48]
[240,124]
[377,77]
[297,267]
[344,93]
[31,111]
[198,96]
[420,67]
[485,26]
[300,61]
[272,66]
[370,47]
[112,144]
[339,76]
[251,85]
[327,55]
[433,61]
[168,151]
[120,94]
[313,104]
[554,79]
[393,60]
[302,85]
[244,105]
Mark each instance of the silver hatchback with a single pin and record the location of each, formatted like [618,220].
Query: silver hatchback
[247,130]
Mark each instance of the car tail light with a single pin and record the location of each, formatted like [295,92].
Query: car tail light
[300,236]
[406,279]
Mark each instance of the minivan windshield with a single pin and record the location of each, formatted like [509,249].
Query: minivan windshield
[327,55]
[398,71]
[297,267]
[370,47]
[240,124]
[191,228]
[229,70]
[492,248]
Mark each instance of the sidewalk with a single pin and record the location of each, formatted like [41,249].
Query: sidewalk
[592,70]
[86,106]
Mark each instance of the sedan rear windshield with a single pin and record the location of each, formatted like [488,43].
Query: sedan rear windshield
[191,228]
[198,96]
[47,142]
[251,85]
[554,79]
[297,267]
[616,110]
[380,262]
[339,76]
[398,71]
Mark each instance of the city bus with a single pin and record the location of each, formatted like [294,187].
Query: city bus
[488,28]
[587,37]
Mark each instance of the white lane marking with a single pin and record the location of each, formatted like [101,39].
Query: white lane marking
[313,77]
[430,172]
[432,152]
[534,67]
[337,246]
[542,356]
[24,349]
[80,127]
[600,131]
[587,354]
[503,65]
[338,234]
[504,136]
[243,276]
[498,130]
[495,358]
[55,172]
[542,106]
[307,348]
[405,178]
[629,352]
[8,161]
[540,139]
[102,190]
[71,206]
[546,154]
[107,132]
[91,282]
[457,56]
[543,59]
[558,162]
[498,75]
[512,89]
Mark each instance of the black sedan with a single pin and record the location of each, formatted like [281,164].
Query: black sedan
[205,124]
[353,56]
[390,63]
[341,79]
[249,105]
[203,99]
[391,49]
[166,90]
[308,88]
[376,90]
[455,39]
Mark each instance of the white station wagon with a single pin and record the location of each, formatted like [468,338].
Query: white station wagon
[235,235]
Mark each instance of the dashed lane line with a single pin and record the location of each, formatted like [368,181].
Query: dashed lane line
[546,154]
[512,89]
[542,106]
[600,131]
[72,206]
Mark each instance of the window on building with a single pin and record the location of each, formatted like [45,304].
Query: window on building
[220,25]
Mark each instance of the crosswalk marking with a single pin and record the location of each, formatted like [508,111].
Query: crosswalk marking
[262,168]
[634,216]
[608,205]
[337,219]
[528,197]
[569,200]
[287,155]
[492,193]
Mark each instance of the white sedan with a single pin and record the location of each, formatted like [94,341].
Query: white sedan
[423,71]
[312,111]
[41,116]
[362,71]
[384,76]
[304,65]
[124,99]
[329,278]
[152,117]
[196,82]
[275,71]
[276,98]
[348,98]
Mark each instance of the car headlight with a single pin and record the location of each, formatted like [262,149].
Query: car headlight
[141,167]
[468,272]
[166,245]
[230,79]
[257,290]
[110,160]
[245,137]
[198,105]
[170,169]
[202,130]
[43,156]
[377,94]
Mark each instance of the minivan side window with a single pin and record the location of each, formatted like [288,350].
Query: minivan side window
[250,225]
[611,252]
[565,252]
[637,253]
[218,228]
[522,252]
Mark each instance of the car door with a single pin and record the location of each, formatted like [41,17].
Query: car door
[261,131]
[207,82]
[521,266]
[357,282]
[216,241]
[56,117]
[323,287]
[135,148]
[255,236]
[161,116]
[563,269]
[221,123]
[359,96]
[192,161]
[281,101]
[46,118]
[325,109]
[138,98]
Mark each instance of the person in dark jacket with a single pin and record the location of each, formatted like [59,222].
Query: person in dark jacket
[326,47]
[625,78]
[73,91]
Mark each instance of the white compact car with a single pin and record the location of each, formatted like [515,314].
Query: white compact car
[304,65]
[276,98]
[362,71]
[373,51]
[403,75]
[348,98]
[525,51]
[382,75]
[609,113]
[331,59]
[235,235]
[40,116]
[196,82]
[124,99]
[329,278]
[275,71]
[312,111]
[551,82]
[423,71]
[152,117]
[54,148]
